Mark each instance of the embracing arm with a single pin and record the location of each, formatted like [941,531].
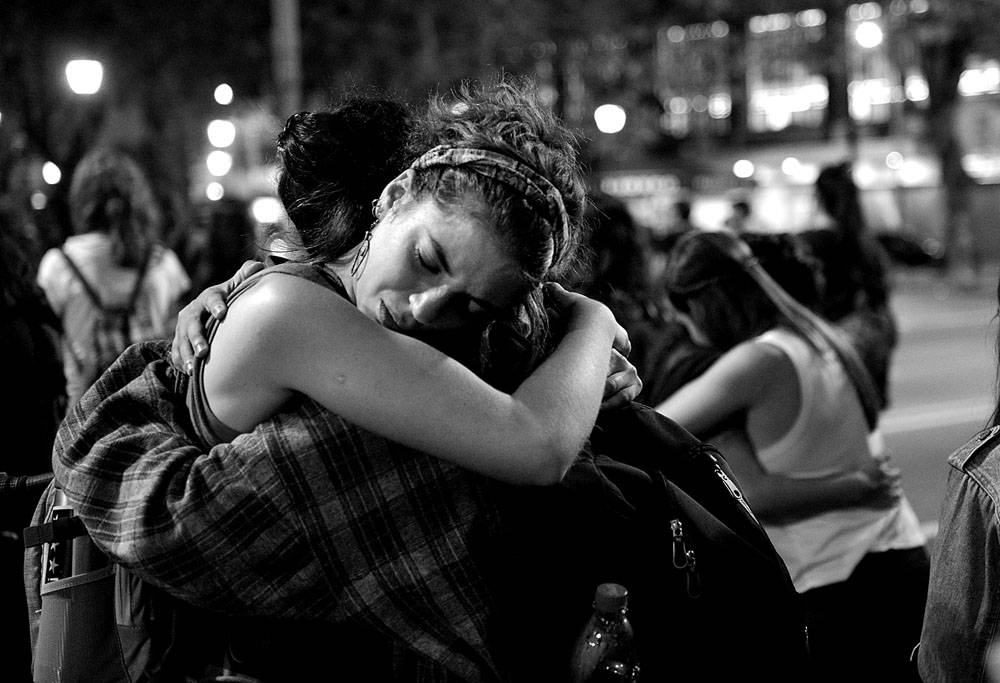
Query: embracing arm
[287,335]
[778,499]
[738,381]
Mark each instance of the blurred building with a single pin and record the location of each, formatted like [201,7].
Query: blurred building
[753,106]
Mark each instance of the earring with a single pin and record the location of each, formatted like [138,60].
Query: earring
[366,242]
[359,258]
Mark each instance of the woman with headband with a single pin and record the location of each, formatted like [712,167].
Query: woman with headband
[794,411]
[464,236]
[320,516]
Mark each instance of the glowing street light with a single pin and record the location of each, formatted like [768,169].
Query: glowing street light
[223,93]
[610,118]
[743,168]
[51,173]
[84,76]
[868,34]
[219,163]
[221,133]
[215,191]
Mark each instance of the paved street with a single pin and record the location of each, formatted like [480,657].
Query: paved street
[942,379]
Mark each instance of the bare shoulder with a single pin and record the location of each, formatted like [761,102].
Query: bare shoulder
[754,358]
[278,298]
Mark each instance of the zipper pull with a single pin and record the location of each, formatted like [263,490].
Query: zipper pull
[693,580]
[679,551]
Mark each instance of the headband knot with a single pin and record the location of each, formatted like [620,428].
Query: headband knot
[517,175]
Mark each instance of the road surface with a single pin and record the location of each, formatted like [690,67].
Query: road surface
[942,380]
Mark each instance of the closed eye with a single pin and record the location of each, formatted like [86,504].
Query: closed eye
[426,265]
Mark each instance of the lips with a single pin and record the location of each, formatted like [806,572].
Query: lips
[386,318]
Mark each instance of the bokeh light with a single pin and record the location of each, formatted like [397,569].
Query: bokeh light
[84,76]
[610,118]
[219,163]
[51,173]
[223,93]
[221,133]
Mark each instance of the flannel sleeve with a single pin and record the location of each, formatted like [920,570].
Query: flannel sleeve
[213,528]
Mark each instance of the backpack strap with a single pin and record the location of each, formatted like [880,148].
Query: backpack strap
[62,529]
[92,293]
[87,287]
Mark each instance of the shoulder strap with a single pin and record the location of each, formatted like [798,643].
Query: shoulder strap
[87,288]
[92,294]
[818,331]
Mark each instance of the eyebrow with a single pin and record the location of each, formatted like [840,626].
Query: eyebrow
[443,261]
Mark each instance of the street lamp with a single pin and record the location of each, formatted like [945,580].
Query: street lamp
[84,76]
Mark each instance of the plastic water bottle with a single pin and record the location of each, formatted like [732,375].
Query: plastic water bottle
[605,650]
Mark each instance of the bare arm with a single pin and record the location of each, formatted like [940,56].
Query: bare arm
[728,388]
[287,335]
[778,499]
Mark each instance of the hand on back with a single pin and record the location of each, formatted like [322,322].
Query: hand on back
[878,483]
[189,334]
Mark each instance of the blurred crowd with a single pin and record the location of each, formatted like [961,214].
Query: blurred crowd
[738,335]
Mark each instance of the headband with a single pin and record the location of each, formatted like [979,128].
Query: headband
[516,175]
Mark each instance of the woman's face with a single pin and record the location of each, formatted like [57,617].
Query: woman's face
[432,268]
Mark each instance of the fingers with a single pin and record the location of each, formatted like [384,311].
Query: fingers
[623,396]
[557,296]
[622,344]
[189,335]
[246,270]
[189,339]
[213,301]
[622,384]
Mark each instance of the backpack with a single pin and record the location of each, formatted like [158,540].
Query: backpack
[651,508]
[112,329]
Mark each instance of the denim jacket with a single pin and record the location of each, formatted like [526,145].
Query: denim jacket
[962,617]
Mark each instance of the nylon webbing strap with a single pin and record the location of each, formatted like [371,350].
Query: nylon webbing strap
[92,293]
[52,532]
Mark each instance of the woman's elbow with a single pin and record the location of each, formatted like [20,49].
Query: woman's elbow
[552,465]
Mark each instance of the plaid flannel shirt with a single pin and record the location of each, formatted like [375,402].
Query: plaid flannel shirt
[307,517]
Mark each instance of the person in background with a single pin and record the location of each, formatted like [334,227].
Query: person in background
[111,262]
[853,269]
[961,624]
[739,218]
[619,274]
[784,411]
[36,400]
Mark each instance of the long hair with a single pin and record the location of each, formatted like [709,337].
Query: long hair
[110,193]
[727,304]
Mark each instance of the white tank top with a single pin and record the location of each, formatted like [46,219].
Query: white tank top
[829,435]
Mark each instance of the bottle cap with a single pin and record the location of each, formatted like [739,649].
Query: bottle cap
[610,597]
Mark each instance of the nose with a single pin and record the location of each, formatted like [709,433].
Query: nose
[430,305]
